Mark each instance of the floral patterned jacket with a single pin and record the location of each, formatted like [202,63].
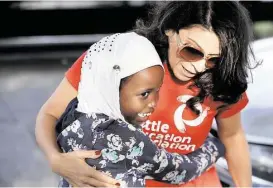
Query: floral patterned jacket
[128,154]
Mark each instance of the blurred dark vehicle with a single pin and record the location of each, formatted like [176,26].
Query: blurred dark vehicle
[61,22]
[62,26]
[39,18]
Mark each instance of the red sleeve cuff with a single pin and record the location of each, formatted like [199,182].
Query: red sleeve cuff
[73,74]
[235,108]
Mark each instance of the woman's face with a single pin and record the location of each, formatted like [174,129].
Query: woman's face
[139,94]
[187,62]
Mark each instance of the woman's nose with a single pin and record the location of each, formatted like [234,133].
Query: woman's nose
[199,66]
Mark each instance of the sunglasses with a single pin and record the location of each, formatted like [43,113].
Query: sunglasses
[191,54]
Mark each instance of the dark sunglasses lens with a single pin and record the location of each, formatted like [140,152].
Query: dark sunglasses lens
[191,54]
[213,61]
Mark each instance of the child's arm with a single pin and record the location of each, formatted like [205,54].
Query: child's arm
[178,169]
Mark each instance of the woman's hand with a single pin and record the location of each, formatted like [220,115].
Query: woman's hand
[77,172]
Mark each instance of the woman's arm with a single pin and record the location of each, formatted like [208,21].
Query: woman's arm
[48,115]
[237,152]
[71,165]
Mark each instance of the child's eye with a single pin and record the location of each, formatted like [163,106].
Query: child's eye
[145,94]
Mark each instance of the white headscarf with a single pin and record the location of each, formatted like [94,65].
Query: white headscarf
[105,64]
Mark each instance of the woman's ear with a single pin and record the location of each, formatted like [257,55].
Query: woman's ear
[169,32]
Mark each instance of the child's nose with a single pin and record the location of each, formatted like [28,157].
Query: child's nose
[154,100]
[152,105]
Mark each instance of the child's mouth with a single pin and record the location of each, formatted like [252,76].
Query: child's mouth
[142,115]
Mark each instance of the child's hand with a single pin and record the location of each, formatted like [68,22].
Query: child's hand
[77,172]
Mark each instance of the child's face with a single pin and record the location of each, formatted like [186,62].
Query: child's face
[139,94]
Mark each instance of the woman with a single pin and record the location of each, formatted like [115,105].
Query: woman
[205,49]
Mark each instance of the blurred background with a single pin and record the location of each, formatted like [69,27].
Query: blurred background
[39,40]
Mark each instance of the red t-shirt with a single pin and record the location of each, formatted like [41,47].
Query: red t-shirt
[174,126]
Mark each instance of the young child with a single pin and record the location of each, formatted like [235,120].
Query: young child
[120,79]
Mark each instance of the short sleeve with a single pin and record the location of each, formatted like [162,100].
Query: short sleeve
[234,108]
[73,74]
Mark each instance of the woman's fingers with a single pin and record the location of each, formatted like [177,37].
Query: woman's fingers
[78,184]
[86,181]
[78,173]
[84,154]
[98,183]
[101,177]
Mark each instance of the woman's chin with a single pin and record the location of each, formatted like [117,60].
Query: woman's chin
[182,77]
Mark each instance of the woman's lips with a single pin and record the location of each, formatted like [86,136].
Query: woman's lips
[188,73]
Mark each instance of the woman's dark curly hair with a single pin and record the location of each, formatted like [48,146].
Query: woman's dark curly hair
[231,23]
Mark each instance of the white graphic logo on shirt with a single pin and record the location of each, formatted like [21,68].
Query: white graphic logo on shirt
[181,123]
